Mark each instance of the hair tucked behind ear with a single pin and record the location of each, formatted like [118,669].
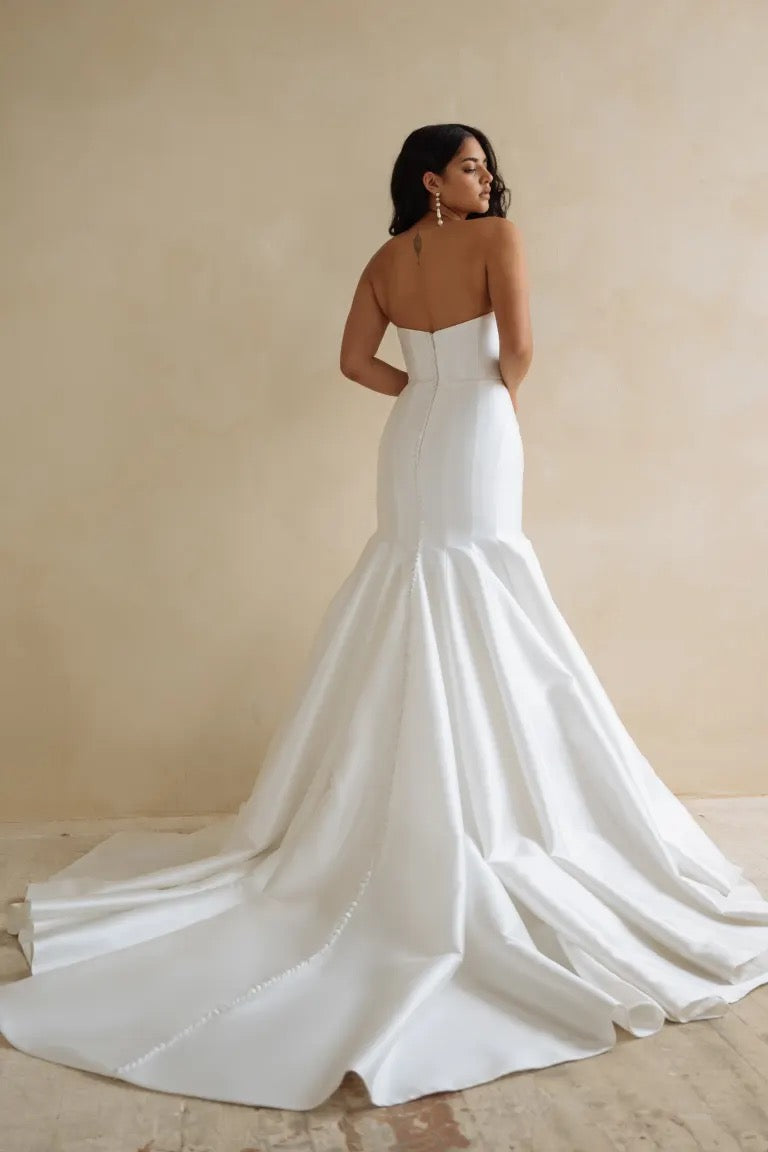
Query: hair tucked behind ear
[429,149]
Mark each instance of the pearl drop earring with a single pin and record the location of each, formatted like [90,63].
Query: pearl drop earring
[437,209]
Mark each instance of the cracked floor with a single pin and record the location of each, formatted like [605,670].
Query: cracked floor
[700,1087]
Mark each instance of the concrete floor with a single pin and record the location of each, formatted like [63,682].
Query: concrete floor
[699,1087]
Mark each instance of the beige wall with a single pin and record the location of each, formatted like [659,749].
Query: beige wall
[189,191]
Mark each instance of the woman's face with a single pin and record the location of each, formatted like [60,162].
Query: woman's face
[466,183]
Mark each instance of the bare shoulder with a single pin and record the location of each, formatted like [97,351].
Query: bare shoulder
[501,229]
[497,231]
[380,257]
[502,223]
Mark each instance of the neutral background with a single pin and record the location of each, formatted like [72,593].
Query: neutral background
[190,189]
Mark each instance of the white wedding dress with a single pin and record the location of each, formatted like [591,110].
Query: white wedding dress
[454,863]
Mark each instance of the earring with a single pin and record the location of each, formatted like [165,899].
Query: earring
[437,209]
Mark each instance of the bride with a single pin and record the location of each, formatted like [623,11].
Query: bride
[454,862]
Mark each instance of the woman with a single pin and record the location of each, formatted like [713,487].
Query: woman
[454,863]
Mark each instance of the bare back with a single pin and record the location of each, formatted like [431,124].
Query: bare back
[430,278]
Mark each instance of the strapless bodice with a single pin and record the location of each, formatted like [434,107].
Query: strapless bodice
[465,351]
[450,456]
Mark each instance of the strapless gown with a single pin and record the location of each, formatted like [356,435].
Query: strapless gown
[454,862]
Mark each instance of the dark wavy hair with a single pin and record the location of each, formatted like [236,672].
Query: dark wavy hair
[429,149]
